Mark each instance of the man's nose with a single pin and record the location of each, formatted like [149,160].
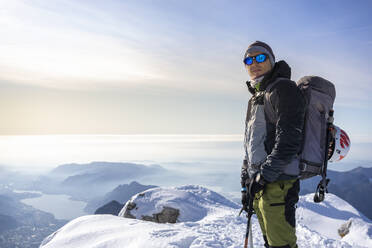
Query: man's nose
[255,62]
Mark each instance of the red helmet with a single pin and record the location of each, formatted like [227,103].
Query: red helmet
[341,144]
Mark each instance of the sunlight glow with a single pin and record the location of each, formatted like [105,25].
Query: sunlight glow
[65,57]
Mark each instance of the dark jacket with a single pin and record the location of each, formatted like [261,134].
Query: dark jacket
[283,134]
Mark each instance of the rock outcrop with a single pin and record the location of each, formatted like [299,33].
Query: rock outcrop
[344,229]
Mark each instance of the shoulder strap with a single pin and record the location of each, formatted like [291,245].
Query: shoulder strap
[269,108]
[270,86]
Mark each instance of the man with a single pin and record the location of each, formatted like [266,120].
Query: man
[273,137]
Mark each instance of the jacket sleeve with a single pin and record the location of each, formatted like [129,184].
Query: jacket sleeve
[289,106]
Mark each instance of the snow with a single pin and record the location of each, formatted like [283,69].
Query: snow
[194,202]
[333,212]
[207,219]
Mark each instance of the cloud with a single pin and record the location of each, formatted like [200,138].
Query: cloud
[79,46]
[65,57]
[92,46]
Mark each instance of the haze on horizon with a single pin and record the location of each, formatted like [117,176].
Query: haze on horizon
[198,154]
[170,67]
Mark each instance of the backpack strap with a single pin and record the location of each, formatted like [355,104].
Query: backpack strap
[269,107]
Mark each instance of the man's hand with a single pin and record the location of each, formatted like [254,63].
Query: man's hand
[257,184]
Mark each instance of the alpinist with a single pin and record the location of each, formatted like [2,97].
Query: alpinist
[273,138]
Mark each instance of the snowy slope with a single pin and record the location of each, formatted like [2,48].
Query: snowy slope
[213,222]
[194,202]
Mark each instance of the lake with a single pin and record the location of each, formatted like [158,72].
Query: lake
[61,206]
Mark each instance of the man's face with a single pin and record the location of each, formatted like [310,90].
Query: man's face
[256,70]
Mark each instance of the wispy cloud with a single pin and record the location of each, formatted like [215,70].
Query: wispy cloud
[73,45]
[64,57]
[88,49]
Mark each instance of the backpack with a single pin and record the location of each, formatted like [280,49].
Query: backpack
[319,95]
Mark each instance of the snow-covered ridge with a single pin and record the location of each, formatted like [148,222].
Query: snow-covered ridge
[194,202]
[207,219]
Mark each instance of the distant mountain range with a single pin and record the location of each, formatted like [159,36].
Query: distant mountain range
[354,186]
[88,181]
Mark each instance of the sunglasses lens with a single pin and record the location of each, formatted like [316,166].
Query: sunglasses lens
[260,58]
[248,60]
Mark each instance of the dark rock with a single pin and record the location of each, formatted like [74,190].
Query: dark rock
[127,213]
[168,215]
[344,229]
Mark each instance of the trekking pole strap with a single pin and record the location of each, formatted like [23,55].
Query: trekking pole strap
[322,186]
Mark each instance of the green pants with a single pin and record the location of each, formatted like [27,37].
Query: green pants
[275,209]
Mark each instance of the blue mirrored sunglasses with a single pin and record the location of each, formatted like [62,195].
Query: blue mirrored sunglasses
[259,59]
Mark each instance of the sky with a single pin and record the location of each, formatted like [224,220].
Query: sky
[171,67]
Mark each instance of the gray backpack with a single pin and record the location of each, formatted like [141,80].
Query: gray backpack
[319,95]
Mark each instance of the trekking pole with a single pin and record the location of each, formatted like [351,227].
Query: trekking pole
[249,227]
[322,186]
[250,237]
